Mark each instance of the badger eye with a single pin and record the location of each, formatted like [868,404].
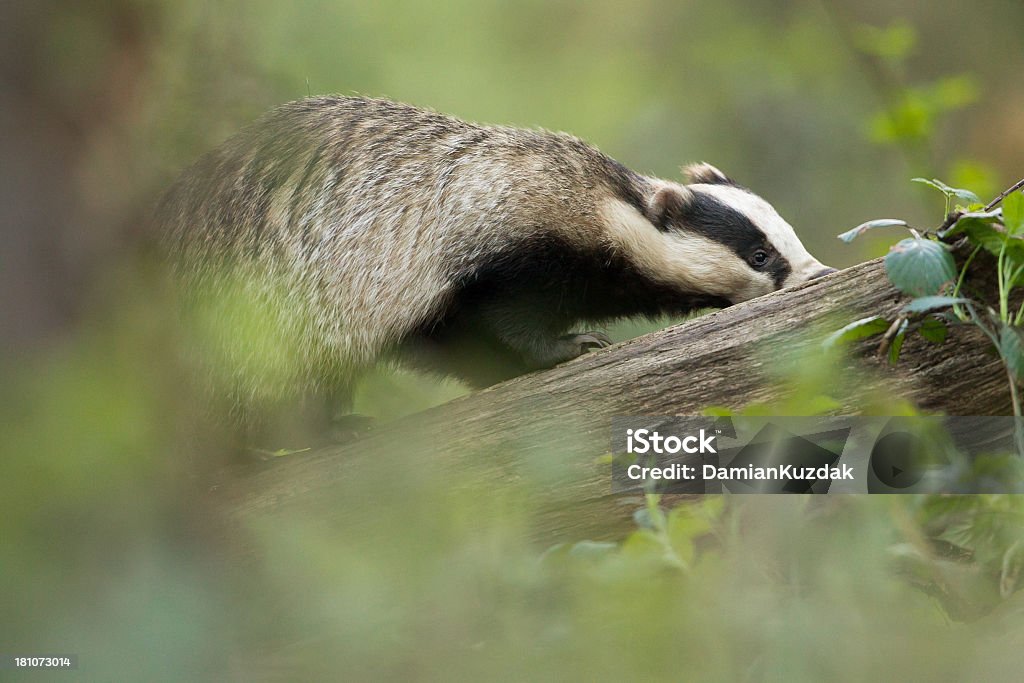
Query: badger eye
[759,258]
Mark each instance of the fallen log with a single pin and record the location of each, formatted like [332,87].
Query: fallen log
[726,358]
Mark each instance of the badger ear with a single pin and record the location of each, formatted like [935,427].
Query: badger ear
[666,203]
[706,173]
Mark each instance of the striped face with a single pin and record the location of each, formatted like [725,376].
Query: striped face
[715,237]
[753,231]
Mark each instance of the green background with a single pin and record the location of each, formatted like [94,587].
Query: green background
[115,546]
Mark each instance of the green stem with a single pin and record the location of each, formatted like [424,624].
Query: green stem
[1013,278]
[1009,290]
[1003,314]
[1014,395]
[1018,423]
[960,282]
[981,326]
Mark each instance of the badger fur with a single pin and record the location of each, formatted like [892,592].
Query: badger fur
[366,230]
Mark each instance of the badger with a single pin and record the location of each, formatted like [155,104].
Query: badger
[363,230]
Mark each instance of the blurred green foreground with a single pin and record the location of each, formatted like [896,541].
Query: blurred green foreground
[114,544]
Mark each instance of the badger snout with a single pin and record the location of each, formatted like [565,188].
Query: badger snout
[810,271]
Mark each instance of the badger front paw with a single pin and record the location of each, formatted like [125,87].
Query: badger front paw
[575,345]
[542,351]
[585,341]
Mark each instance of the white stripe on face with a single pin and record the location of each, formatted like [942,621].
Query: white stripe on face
[685,259]
[778,231]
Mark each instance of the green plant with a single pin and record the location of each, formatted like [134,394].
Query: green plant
[910,110]
[922,266]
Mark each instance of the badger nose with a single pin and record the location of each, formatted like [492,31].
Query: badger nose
[822,273]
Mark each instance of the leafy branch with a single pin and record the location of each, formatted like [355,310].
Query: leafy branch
[922,266]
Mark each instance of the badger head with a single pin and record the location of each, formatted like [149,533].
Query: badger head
[716,238]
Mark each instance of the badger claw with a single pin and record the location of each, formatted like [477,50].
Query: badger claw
[550,351]
[589,340]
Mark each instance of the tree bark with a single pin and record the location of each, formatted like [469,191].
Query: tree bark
[727,358]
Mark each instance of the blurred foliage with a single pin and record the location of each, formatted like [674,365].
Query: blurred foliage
[117,547]
[923,266]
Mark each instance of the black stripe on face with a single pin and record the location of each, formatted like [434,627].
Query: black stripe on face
[714,219]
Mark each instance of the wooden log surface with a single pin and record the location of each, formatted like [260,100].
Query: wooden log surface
[726,358]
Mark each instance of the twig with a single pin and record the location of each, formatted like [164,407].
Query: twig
[1004,194]
[890,334]
[953,216]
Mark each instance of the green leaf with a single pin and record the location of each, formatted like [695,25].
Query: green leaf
[963,221]
[958,192]
[893,42]
[966,195]
[912,118]
[1013,562]
[851,235]
[954,92]
[934,330]
[592,550]
[995,215]
[682,532]
[642,518]
[642,545]
[931,303]
[1011,348]
[279,453]
[897,344]
[981,228]
[651,517]
[937,184]
[858,329]
[919,267]
[1013,213]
